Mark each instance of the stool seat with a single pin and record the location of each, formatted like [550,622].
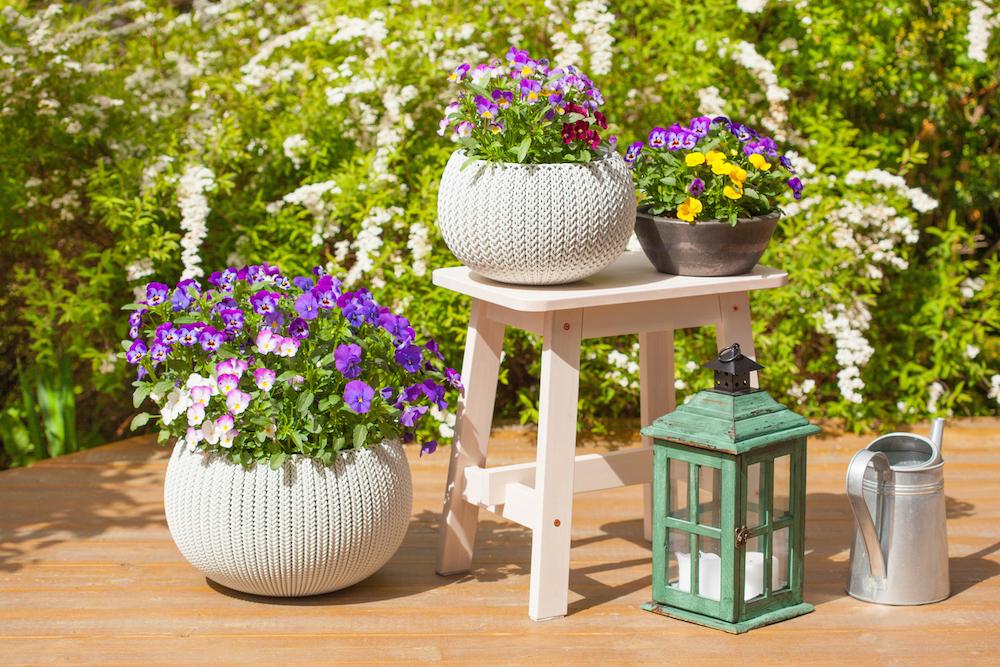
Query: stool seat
[629,297]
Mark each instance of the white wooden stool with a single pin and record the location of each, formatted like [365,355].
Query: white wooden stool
[628,297]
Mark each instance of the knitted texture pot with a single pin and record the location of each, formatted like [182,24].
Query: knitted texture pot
[303,529]
[536,224]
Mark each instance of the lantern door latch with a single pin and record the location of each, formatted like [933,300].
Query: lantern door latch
[742,535]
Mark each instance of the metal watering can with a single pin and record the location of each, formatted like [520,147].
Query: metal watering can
[900,551]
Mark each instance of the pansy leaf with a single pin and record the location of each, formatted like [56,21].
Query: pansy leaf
[139,420]
[139,395]
[277,459]
[305,402]
[522,149]
[360,435]
[162,437]
[286,376]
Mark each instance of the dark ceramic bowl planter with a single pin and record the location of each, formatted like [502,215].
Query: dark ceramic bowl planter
[706,248]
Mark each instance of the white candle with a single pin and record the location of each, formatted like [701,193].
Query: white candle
[710,574]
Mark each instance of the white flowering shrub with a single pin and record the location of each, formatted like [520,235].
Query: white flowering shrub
[147,140]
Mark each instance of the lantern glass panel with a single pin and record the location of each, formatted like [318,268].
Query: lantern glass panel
[781,559]
[679,496]
[782,486]
[709,496]
[755,514]
[754,568]
[709,568]
[678,550]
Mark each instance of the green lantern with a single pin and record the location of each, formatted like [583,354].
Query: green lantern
[729,495]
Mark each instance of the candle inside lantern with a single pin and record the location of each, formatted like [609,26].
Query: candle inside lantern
[710,574]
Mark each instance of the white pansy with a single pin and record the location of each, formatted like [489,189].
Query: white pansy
[176,404]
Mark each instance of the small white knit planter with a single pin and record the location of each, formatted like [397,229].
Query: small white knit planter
[536,224]
[303,529]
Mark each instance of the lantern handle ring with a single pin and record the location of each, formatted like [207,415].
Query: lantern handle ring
[730,353]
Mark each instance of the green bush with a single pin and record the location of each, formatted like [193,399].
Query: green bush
[146,140]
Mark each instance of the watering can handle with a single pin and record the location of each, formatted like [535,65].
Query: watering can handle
[855,477]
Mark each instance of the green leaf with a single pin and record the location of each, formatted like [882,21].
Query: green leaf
[139,420]
[277,459]
[286,376]
[162,437]
[139,395]
[339,443]
[522,149]
[360,435]
[305,402]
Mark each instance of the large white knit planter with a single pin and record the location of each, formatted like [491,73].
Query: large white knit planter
[536,224]
[303,529]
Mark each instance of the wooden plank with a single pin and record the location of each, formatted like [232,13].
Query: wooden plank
[89,575]
[630,279]
[591,472]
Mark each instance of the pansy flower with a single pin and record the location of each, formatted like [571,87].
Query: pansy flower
[303,282]
[485,107]
[409,357]
[264,302]
[266,341]
[496,128]
[358,396]
[696,188]
[741,132]
[306,306]
[195,415]
[795,183]
[428,447]
[156,293]
[347,360]
[464,129]
[787,163]
[227,383]
[530,90]
[502,98]
[183,294]
[136,352]
[412,414]
[188,334]
[299,329]
[264,378]
[633,151]
[454,378]
[200,394]
[657,137]
[435,393]
[233,320]
[459,73]
[159,352]
[287,347]
[699,125]
[237,401]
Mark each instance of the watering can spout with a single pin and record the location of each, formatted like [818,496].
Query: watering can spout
[937,432]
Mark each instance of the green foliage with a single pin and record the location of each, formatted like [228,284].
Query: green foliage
[144,139]
[41,420]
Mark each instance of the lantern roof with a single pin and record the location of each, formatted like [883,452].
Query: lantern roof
[730,423]
[732,361]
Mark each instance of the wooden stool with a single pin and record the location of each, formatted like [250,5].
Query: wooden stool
[628,297]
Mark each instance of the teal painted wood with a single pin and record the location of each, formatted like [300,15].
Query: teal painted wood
[735,628]
[661,468]
[729,606]
[735,424]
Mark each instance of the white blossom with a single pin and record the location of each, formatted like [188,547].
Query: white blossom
[593,21]
[847,326]
[194,183]
[920,200]
[295,148]
[970,286]
[419,247]
[746,55]
[139,269]
[751,6]
[994,391]
[710,102]
[934,393]
[982,20]
[971,351]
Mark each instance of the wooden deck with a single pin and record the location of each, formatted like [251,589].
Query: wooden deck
[88,574]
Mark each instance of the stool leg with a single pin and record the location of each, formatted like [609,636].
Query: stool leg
[656,398]
[473,421]
[734,326]
[553,520]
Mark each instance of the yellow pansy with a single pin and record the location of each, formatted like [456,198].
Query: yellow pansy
[733,193]
[689,210]
[714,156]
[757,160]
[738,175]
[694,159]
[722,168]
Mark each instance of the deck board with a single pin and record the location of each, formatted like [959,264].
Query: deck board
[88,574]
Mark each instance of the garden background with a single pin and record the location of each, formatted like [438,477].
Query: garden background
[150,140]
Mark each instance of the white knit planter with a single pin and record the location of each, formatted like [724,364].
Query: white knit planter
[536,224]
[303,529]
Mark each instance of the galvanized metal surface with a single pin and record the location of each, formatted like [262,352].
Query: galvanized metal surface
[899,555]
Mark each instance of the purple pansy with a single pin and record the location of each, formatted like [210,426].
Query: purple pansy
[135,319]
[264,302]
[412,414]
[485,107]
[435,393]
[459,72]
[358,396]
[633,151]
[306,306]
[136,352]
[502,98]
[188,334]
[435,349]
[741,132]
[386,393]
[303,283]
[347,360]
[233,320]
[428,447]
[454,378]
[409,357]
[657,138]
[696,188]
[156,293]
[211,339]
[700,124]
[796,185]
[159,352]
[182,296]
[264,378]
[530,90]
[786,162]
[299,328]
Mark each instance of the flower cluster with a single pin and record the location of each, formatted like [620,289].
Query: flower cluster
[522,110]
[712,169]
[259,366]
